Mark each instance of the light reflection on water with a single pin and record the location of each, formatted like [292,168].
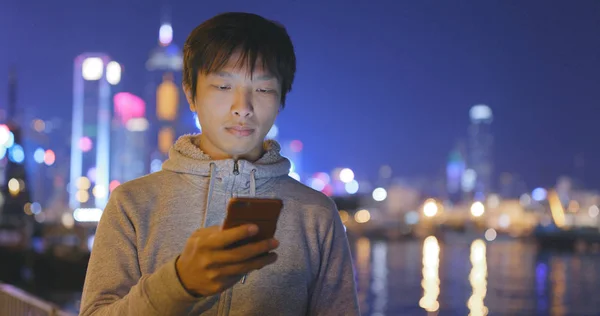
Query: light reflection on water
[478,279]
[380,278]
[431,278]
[363,273]
[558,280]
[473,277]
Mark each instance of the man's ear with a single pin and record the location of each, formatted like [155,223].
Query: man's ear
[188,96]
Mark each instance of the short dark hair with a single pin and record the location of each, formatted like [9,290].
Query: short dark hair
[210,45]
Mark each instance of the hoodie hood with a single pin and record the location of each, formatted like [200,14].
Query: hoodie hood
[186,157]
[235,178]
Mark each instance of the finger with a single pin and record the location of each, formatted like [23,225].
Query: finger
[205,231]
[247,266]
[243,253]
[223,238]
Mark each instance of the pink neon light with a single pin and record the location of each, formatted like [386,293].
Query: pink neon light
[296,146]
[128,106]
[49,157]
[113,185]
[85,144]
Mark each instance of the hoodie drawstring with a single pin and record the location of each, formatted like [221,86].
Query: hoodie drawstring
[253,183]
[211,185]
[253,194]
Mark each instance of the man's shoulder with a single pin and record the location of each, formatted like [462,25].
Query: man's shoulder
[315,210]
[137,198]
[305,196]
[144,187]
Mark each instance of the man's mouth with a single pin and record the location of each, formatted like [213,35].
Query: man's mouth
[240,131]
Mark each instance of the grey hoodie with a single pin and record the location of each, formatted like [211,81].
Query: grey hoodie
[147,221]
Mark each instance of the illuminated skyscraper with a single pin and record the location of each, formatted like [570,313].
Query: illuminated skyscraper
[481,141]
[164,99]
[128,148]
[45,140]
[454,173]
[94,76]
[15,192]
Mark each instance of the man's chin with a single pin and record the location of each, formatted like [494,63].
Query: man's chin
[244,152]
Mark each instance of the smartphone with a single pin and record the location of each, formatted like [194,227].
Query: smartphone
[264,213]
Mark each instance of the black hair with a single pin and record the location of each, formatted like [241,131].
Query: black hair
[210,45]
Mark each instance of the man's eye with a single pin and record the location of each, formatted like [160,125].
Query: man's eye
[264,90]
[222,87]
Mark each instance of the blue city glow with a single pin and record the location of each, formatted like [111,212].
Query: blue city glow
[155,165]
[172,50]
[36,208]
[273,132]
[317,184]
[38,155]
[411,218]
[197,122]
[351,187]
[10,141]
[91,174]
[539,194]
[16,154]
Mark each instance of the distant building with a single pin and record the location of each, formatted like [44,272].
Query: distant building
[94,79]
[480,152]
[15,196]
[45,140]
[455,169]
[164,98]
[129,139]
[511,186]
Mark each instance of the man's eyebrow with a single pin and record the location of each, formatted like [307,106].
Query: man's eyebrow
[261,77]
[264,77]
[223,74]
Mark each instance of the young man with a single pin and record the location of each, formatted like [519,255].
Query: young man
[159,248]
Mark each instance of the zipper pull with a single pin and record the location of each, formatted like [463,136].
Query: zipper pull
[236,168]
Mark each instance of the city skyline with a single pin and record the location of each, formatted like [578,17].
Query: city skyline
[542,100]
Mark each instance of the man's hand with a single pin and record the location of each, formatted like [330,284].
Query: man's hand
[208,267]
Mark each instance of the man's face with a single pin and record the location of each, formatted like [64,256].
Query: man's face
[235,110]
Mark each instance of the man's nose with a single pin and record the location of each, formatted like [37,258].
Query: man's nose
[242,104]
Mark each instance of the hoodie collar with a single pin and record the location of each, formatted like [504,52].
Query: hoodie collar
[186,157]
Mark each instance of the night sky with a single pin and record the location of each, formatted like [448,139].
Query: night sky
[378,82]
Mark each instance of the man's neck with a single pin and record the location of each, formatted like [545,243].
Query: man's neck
[217,154]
